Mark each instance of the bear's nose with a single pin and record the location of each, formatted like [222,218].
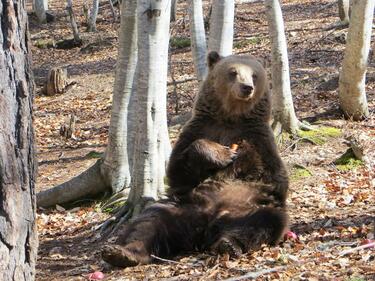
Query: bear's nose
[246,89]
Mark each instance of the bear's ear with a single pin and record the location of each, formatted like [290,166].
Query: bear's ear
[263,61]
[212,58]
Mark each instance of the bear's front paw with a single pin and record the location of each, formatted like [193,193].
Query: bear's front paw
[225,156]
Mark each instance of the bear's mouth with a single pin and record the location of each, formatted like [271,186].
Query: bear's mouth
[245,96]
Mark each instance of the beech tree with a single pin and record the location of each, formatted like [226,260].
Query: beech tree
[18,234]
[73,23]
[93,15]
[198,38]
[352,93]
[138,145]
[284,116]
[344,6]
[221,27]
[40,7]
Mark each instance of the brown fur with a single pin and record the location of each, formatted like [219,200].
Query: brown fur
[219,199]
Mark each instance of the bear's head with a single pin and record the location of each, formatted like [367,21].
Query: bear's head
[238,81]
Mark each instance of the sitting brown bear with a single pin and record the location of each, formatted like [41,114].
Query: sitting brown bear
[220,199]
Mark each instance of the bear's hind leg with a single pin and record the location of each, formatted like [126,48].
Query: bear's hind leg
[163,230]
[240,235]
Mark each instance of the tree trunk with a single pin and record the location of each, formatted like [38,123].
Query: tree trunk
[18,234]
[283,110]
[198,38]
[352,93]
[73,22]
[344,6]
[221,27]
[152,141]
[112,173]
[132,158]
[120,150]
[112,10]
[40,8]
[93,16]
[173,10]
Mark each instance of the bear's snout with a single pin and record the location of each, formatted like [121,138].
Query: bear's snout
[246,89]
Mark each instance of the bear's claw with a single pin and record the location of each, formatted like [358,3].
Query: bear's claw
[227,246]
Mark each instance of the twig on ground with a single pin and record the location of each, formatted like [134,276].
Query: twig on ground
[164,260]
[292,145]
[176,82]
[352,250]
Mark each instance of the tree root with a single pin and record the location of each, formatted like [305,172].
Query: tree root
[116,199]
[88,184]
[123,215]
[337,25]
[111,225]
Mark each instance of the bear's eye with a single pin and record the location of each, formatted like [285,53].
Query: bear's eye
[233,73]
[255,77]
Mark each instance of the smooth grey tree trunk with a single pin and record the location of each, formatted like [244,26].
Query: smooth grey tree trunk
[282,103]
[40,8]
[118,160]
[18,233]
[152,141]
[352,93]
[93,15]
[113,173]
[73,22]
[344,6]
[173,10]
[139,146]
[221,27]
[198,38]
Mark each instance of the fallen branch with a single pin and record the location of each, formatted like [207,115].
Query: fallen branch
[369,245]
[254,275]
[337,25]
[327,6]
[176,82]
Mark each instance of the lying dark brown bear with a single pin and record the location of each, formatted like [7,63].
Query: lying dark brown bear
[221,199]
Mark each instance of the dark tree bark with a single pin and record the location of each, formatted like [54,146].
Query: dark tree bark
[18,236]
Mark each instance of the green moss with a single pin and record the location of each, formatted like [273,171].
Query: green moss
[44,43]
[247,42]
[94,154]
[320,135]
[179,42]
[299,172]
[347,161]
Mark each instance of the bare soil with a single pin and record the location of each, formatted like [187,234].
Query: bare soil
[330,210]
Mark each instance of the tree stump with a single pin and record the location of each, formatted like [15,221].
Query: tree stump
[68,128]
[57,81]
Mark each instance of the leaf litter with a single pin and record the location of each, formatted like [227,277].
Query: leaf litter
[331,211]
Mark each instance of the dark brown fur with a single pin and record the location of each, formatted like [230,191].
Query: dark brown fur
[219,199]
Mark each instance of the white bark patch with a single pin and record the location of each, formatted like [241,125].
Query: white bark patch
[221,27]
[282,102]
[198,38]
[353,74]
[119,154]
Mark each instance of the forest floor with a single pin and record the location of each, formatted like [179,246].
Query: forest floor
[331,207]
